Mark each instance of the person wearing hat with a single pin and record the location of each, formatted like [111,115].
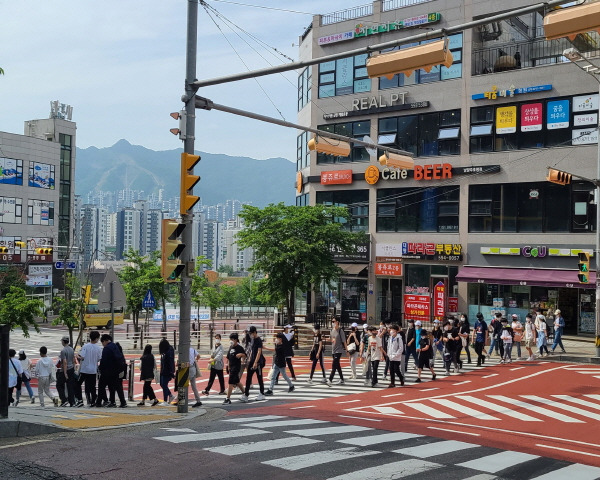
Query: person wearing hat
[66,376]
[559,325]
[479,338]
[517,327]
[353,347]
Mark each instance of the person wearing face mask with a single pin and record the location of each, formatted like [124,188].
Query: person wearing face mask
[438,344]
[384,335]
[530,336]
[479,337]
[464,332]
[518,331]
[235,355]
[424,351]
[451,341]
[411,344]
[216,367]
[395,351]
[507,339]
[353,347]
[316,354]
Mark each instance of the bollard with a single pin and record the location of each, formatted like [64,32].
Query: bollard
[130,380]
[142,338]
[175,340]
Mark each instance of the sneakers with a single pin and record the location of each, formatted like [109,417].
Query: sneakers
[324,380]
[222,392]
[268,393]
[418,380]
[447,372]
[197,404]
[17,402]
[204,392]
[340,382]
[141,404]
[56,401]
[155,402]
[171,398]
[260,397]
[456,370]
[385,378]
[63,404]
[227,401]
[501,362]
[291,389]
[244,398]
[391,385]
[111,405]
[433,377]
[123,405]
[78,403]
[32,400]
[366,382]
[309,381]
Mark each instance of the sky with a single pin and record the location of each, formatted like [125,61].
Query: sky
[121,65]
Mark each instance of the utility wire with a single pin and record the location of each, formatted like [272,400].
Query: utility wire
[262,6]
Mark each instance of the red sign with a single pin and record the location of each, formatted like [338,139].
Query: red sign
[336,177]
[453,304]
[437,171]
[392,269]
[531,117]
[439,299]
[416,306]
[10,257]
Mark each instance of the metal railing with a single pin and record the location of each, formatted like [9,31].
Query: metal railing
[348,14]
[387,5]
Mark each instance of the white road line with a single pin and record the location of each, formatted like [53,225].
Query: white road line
[437,448]
[361,418]
[535,409]
[462,383]
[492,375]
[466,410]
[313,432]
[427,410]
[429,389]
[594,372]
[578,471]
[298,462]
[391,410]
[455,431]
[201,437]
[482,476]
[382,438]
[561,406]
[307,406]
[284,423]
[391,471]
[23,443]
[593,397]
[243,448]
[251,419]
[498,461]
[499,408]
[392,395]
[518,368]
[578,401]
[349,401]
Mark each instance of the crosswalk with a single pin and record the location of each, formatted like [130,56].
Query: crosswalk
[588,370]
[326,450]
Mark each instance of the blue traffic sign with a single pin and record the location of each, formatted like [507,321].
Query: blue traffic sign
[149,301]
[61,265]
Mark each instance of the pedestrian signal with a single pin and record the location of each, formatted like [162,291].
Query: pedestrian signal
[584,267]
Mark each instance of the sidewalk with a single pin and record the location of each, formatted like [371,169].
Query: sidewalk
[579,350]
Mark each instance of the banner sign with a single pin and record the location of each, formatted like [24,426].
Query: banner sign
[39,280]
[557,115]
[453,304]
[173,314]
[416,306]
[506,119]
[336,177]
[391,269]
[531,117]
[439,299]
[40,269]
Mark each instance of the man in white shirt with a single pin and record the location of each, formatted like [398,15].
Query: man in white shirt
[376,352]
[89,356]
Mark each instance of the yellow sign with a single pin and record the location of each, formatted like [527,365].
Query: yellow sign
[506,119]
[372,175]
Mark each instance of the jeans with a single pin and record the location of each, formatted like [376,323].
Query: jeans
[396,370]
[164,384]
[211,379]
[518,345]
[318,359]
[335,366]
[353,358]
[459,353]
[453,355]
[479,348]
[44,388]
[30,390]
[375,367]
[508,350]
[288,362]
[276,371]
[558,339]
[410,351]
[259,377]
[90,386]
[148,391]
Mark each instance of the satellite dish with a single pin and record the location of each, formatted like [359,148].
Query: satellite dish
[371,151]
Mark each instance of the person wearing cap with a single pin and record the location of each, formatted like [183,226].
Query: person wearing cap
[27,367]
[507,339]
[353,347]
[338,347]
[395,352]
[411,345]
[479,338]
[233,367]
[517,327]
[279,365]
[66,377]
[542,335]
[255,365]
[438,343]
[559,325]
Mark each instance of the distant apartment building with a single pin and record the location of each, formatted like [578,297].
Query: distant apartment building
[212,242]
[93,234]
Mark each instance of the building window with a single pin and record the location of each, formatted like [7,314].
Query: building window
[41,175]
[424,135]
[531,208]
[304,87]
[352,130]
[64,211]
[40,212]
[357,202]
[436,74]
[11,171]
[344,76]
[432,209]
[10,209]
[303,153]
[302,200]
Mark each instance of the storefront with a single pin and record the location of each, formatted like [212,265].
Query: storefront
[516,280]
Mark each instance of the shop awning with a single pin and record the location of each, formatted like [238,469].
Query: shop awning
[352,268]
[523,276]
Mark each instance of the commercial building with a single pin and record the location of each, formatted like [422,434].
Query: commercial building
[475,227]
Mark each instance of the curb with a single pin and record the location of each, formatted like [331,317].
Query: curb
[571,359]
[19,428]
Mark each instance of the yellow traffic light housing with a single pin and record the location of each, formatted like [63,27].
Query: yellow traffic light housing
[172,249]
[584,267]
[21,244]
[571,21]
[3,249]
[43,251]
[329,146]
[558,177]
[394,160]
[408,60]
[188,180]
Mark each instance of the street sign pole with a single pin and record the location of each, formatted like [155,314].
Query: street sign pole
[112,311]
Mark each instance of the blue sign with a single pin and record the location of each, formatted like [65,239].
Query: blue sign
[149,301]
[510,92]
[61,265]
[557,114]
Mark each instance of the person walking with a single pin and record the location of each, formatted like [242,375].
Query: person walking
[559,325]
[411,344]
[365,355]
[316,354]
[27,369]
[530,333]
[235,355]
[438,343]
[279,365]
[338,347]
[517,328]
[45,371]
[376,354]
[255,365]
[542,335]
[67,361]
[479,338]
[147,369]
[216,367]
[194,372]
[247,345]
[496,343]
[112,366]
[424,351]
[507,339]
[395,352]
[464,332]
[89,357]
[15,372]
[288,333]
[384,334]
[353,348]
[167,368]
[451,341]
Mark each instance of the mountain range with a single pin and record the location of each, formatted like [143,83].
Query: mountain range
[223,177]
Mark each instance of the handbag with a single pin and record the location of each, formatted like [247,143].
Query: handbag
[198,372]
[352,348]
[270,374]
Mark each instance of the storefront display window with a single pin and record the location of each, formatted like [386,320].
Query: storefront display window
[356,200]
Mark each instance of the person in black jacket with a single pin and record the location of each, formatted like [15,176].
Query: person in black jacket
[288,346]
[451,341]
[148,364]
[111,366]
[496,327]
[411,346]
[464,332]
[279,364]
[167,368]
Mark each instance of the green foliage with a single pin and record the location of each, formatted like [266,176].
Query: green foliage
[228,269]
[69,310]
[228,294]
[17,310]
[292,246]
[11,276]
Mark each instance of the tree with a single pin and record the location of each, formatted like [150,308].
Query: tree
[69,309]
[199,282]
[228,294]
[17,310]
[11,276]
[228,269]
[292,246]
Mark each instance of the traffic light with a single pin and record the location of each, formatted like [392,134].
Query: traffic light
[408,60]
[570,21]
[21,244]
[397,161]
[86,293]
[172,248]
[584,267]
[43,251]
[3,249]
[188,180]
[556,176]
[329,146]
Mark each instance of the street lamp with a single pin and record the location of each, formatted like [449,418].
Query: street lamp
[588,67]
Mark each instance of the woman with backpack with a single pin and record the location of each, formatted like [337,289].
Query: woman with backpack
[216,367]
[147,368]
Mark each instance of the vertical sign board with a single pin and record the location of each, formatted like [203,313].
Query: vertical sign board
[506,119]
[557,115]
[531,117]
[453,304]
[416,307]
[439,299]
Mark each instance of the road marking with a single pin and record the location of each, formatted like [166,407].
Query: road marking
[535,409]
[578,471]
[360,418]
[392,395]
[298,462]
[311,432]
[429,389]
[569,408]
[455,431]
[578,400]
[462,383]
[499,408]
[427,410]
[23,443]
[391,410]
[394,470]
[349,401]
[298,408]
[242,448]
[187,430]
[593,397]
[482,476]
[201,437]
[433,449]
[251,419]
[498,461]
[593,372]
[518,368]
[284,423]
[382,438]
[492,375]
[466,410]
[573,451]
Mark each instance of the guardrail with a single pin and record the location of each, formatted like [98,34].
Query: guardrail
[347,14]
[387,5]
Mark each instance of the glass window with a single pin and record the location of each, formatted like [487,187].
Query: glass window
[350,129]
[481,130]
[344,76]
[357,202]
[428,133]
[445,133]
[11,171]
[386,139]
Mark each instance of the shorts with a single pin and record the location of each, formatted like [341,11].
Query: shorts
[530,344]
[423,361]
[234,377]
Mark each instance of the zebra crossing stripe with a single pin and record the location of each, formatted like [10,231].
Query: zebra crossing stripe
[499,408]
[461,408]
[285,423]
[577,471]
[306,460]
[568,408]
[201,437]
[498,461]
[532,408]
[312,432]
[393,470]
[427,410]
[388,410]
[242,448]
[252,419]
[578,401]
[434,449]
[375,439]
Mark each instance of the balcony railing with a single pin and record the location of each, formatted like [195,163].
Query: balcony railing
[348,14]
[395,4]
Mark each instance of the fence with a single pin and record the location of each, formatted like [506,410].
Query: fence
[348,14]
[395,4]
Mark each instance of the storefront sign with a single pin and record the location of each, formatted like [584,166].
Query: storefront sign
[531,117]
[372,175]
[453,304]
[585,103]
[40,269]
[557,115]
[10,257]
[585,119]
[366,103]
[378,104]
[361,254]
[32,258]
[416,306]
[432,251]
[439,299]
[336,177]
[437,171]
[39,280]
[391,269]
[586,136]
[388,252]
[506,119]
[534,251]
[510,92]
[336,37]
